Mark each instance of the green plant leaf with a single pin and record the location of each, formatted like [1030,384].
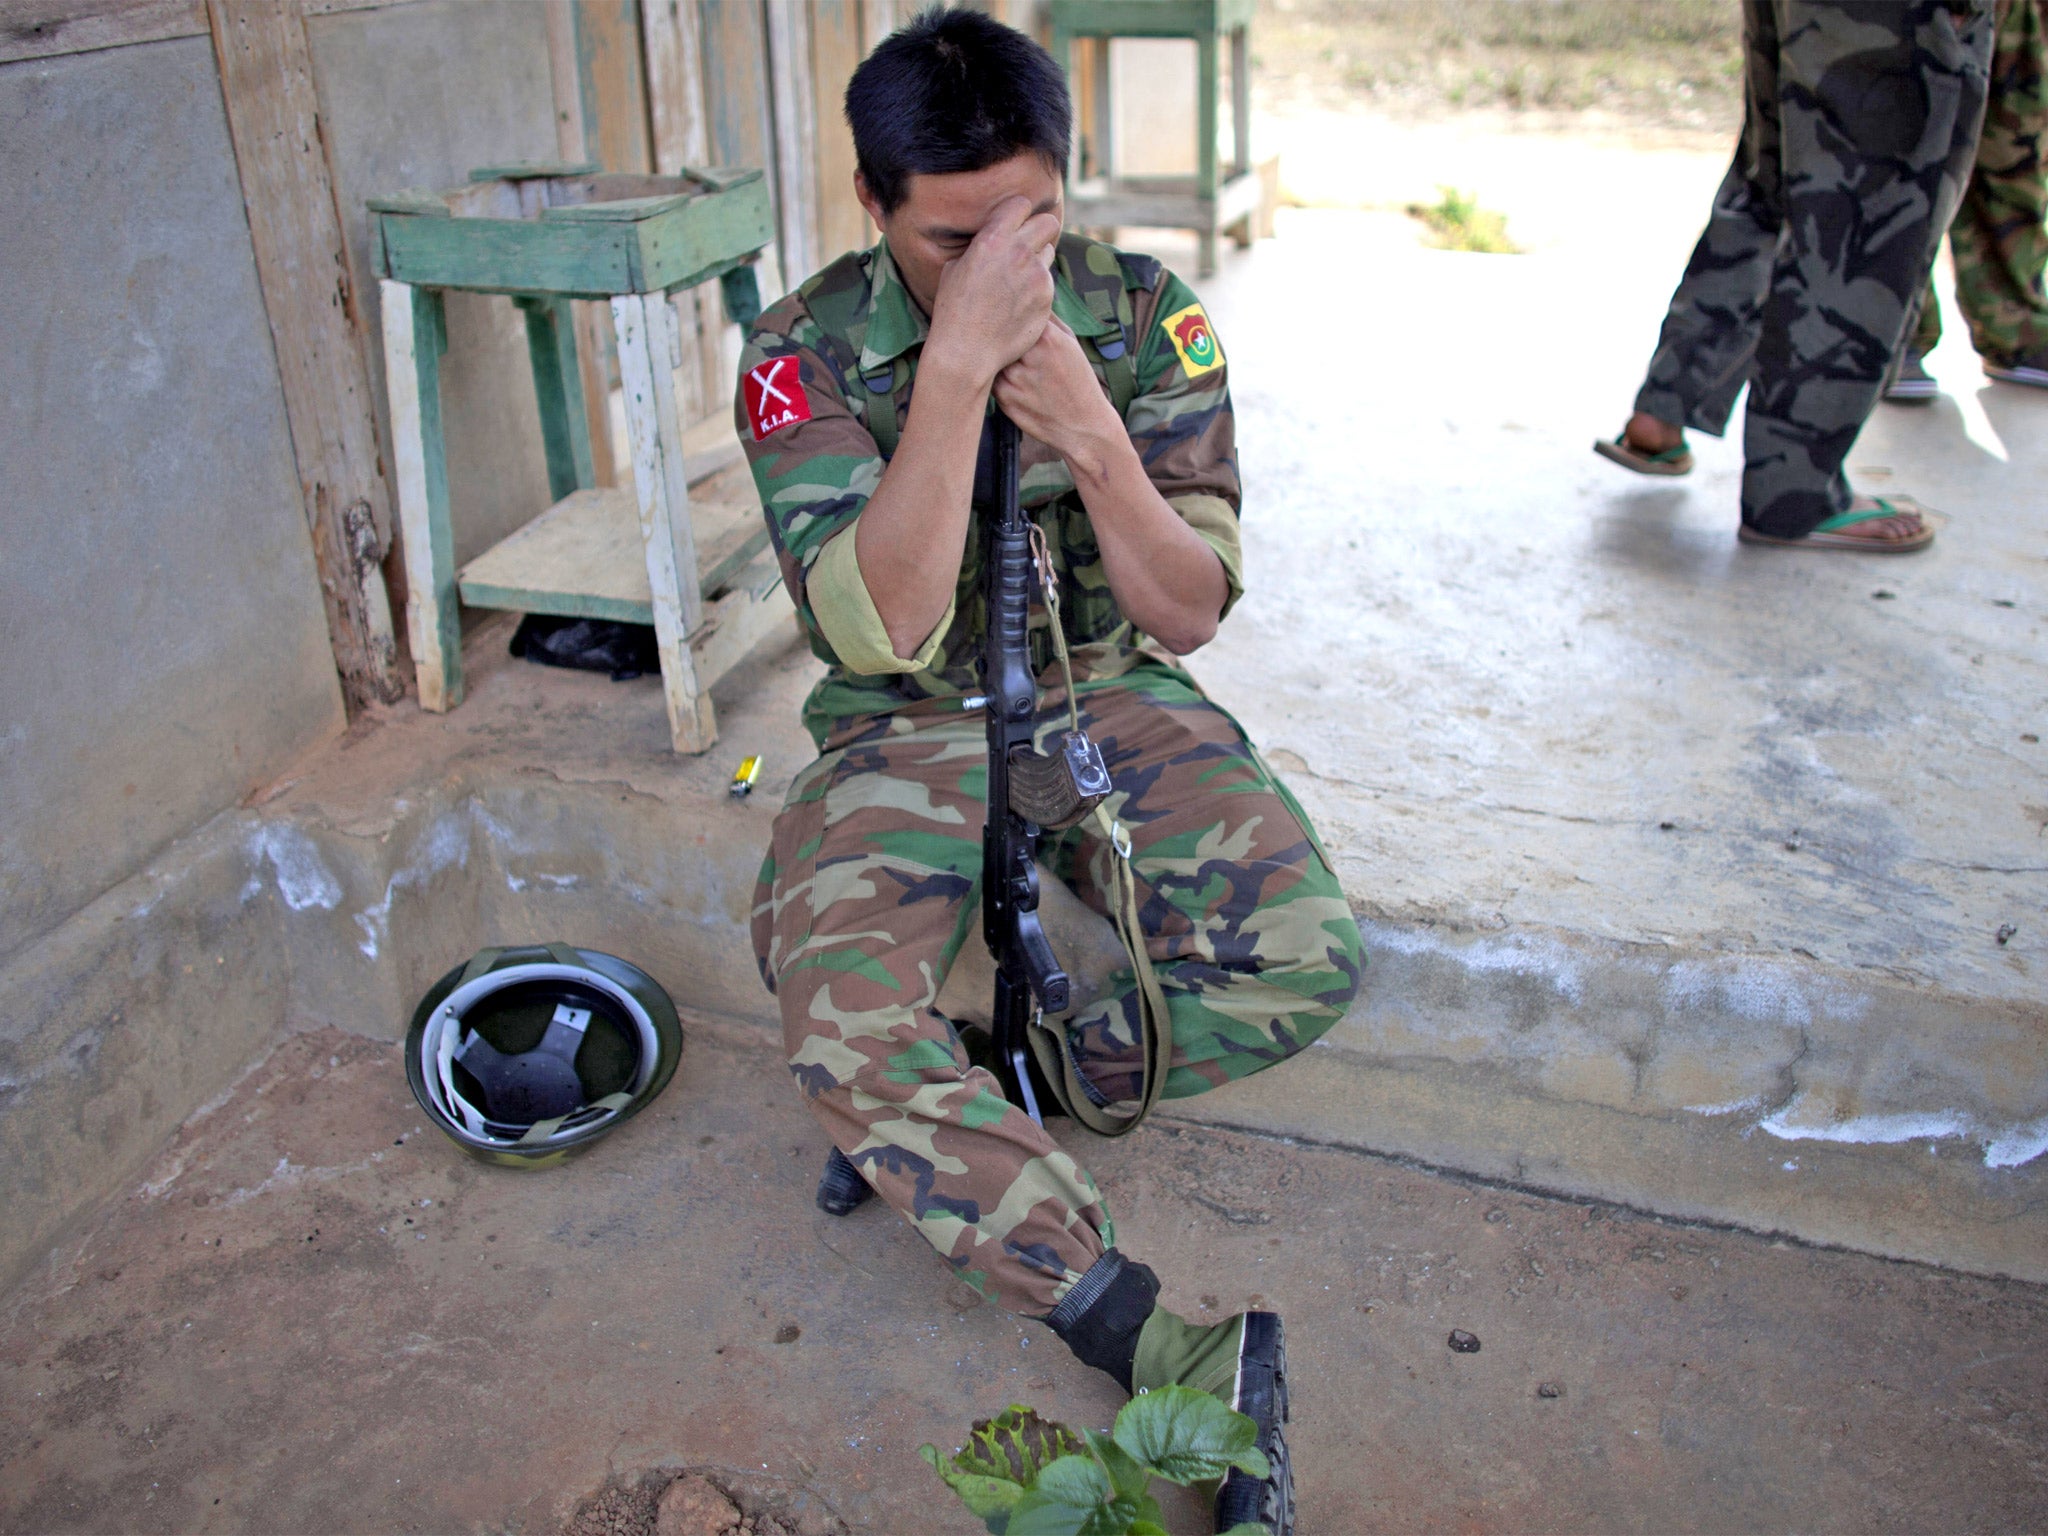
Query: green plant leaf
[1003,1456]
[989,1499]
[1053,1518]
[1076,1480]
[1015,1444]
[1072,1497]
[1038,1514]
[1145,1513]
[1188,1436]
[1129,1476]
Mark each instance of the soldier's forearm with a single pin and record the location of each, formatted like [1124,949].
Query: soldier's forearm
[912,534]
[1166,578]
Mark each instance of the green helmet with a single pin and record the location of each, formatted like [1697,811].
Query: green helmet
[525,1056]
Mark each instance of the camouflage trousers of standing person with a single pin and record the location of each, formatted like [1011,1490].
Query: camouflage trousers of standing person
[2000,234]
[1860,125]
[870,888]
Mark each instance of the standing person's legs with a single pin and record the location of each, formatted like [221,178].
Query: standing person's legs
[1879,111]
[867,894]
[1251,936]
[1927,321]
[2000,235]
[1710,330]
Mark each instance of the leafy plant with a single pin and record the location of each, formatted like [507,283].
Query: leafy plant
[1024,1475]
[1460,224]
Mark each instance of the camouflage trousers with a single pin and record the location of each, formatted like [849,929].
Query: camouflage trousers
[1860,126]
[870,888]
[2000,234]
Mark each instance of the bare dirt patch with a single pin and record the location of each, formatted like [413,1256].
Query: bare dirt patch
[703,1501]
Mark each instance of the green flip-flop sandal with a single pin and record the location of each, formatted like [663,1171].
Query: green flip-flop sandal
[1672,461]
[1830,535]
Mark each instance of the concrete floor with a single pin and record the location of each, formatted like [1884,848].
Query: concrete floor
[1682,867]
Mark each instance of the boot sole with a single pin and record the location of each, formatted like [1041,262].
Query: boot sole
[2020,374]
[1262,1396]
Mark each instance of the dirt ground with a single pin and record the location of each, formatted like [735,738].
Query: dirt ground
[1544,109]
[314,1315]
[1672,64]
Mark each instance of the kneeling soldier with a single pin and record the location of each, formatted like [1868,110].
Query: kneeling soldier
[862,402]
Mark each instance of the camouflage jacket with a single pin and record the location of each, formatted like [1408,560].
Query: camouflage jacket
[824,359]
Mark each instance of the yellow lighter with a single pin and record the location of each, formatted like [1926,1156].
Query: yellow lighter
[743,777]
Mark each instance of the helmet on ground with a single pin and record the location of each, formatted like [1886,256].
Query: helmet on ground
[524,1056]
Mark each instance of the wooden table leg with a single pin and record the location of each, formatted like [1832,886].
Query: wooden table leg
[648,351]
[415,336]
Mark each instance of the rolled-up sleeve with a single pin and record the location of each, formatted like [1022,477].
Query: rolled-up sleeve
[1212,518]
[852,626]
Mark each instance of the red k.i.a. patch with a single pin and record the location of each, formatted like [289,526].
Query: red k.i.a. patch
[775,396]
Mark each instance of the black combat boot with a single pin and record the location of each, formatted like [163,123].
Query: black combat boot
[1112,1320]
[841,1190]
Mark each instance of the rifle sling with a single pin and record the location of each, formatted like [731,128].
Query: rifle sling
[1049,1042]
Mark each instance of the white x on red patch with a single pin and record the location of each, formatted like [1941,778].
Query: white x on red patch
[775,396]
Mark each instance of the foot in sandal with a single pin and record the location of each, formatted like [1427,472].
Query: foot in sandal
[1873,524]
[1649,447]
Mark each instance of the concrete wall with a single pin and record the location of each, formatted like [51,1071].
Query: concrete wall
[163,646]
[419,96]
[162,643]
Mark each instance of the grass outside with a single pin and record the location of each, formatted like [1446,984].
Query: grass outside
[1675,63]
[1457,223]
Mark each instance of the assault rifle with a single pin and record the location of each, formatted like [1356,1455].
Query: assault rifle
[1028,791]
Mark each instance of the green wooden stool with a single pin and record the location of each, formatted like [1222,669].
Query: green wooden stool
[1208,204]
[545,235]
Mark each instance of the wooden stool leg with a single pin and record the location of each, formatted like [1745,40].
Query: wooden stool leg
[648,346]
[1206,84]
[1246,229]
[415,336]
[1062,51]
[1241,99]
[1105,110]
[558,390]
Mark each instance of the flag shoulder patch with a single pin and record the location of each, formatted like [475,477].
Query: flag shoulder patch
[1193,342]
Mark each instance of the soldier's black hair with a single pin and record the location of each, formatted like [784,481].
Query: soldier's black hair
[953,90]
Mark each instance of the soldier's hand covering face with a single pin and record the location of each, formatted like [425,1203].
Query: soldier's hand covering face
[975,250]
